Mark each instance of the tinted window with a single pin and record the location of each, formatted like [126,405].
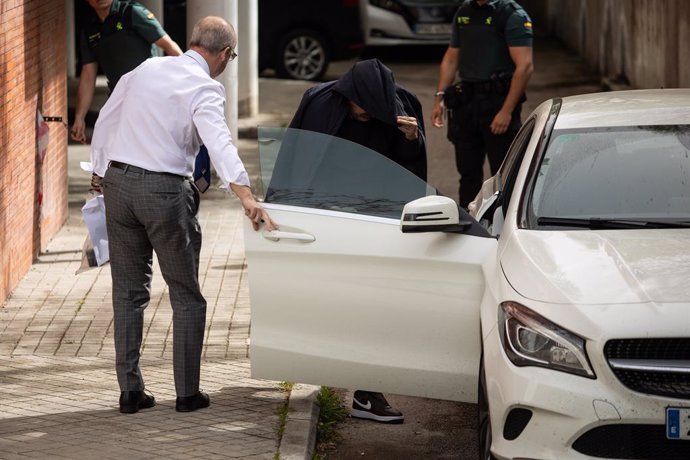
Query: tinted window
[635,172]
[509,169]
[308,169]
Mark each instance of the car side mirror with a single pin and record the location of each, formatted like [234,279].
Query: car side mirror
[432,214]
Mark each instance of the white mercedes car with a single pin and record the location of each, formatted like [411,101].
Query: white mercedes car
[561,304]
[407,22]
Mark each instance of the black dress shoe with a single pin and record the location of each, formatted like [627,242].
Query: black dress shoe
[132,401]
[192,403]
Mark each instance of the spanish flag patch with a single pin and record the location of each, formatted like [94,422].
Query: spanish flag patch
[528,25]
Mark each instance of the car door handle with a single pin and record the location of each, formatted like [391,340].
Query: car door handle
[277,235]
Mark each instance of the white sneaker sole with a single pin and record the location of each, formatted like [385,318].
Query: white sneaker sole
[356,413]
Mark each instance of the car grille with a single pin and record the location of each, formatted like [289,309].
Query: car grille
[634,442]
[653,366]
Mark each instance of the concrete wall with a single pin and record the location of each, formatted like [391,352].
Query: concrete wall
[643,42]
[33,76]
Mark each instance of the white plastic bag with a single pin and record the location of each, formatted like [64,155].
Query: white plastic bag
[96,244]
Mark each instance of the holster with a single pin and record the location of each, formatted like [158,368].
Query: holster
[455,96]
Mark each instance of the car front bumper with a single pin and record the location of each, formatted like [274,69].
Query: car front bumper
[570,415]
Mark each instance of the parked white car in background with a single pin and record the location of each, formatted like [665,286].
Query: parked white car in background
[562,306]
[407,22]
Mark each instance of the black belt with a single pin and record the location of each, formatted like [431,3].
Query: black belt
[136,169]
[480,86]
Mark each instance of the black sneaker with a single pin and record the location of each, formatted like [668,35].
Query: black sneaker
[373,406]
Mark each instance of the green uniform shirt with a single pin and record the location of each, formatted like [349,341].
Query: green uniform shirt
[121,42]
[484,33]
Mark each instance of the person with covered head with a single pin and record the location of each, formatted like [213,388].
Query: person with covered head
[368,107]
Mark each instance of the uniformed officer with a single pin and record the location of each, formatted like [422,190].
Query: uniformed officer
[491,50]
[120,36]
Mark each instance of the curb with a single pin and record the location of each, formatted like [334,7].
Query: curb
[299,435]
[247,127]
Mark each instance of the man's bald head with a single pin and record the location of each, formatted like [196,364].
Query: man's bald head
[216,41]
[213,34]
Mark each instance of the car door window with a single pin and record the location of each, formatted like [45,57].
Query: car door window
[511,165]
[310,169]
[492,218]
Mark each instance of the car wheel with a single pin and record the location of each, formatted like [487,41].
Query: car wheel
[302,55]
[484,416]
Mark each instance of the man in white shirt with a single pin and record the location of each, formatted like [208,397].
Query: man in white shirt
[143,146]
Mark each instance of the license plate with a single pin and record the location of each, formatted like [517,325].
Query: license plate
[433,29]
[678,423]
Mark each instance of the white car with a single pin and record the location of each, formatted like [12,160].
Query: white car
[407,22]
[562,307]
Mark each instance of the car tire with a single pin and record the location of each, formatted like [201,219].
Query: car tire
[484,416]
[302,55]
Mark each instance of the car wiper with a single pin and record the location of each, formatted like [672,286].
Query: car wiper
[609,223]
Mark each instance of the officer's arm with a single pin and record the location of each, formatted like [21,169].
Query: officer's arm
[524,66]
[522,57]
[87,84]
[449,67]
[446,75]
[168,45]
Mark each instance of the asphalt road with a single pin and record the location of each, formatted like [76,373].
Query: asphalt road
[433,429]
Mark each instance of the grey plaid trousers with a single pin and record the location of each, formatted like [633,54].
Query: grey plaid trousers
[148,212]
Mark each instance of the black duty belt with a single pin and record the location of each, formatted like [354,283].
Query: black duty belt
[480,86]
[136,169]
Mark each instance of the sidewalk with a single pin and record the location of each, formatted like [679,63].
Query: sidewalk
[58,389]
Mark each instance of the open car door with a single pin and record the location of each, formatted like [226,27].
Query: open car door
[340,296]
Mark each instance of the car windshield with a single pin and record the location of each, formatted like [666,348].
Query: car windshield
[615,174]
[314,170]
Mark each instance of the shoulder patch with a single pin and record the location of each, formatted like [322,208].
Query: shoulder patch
[523,14]
[146,12]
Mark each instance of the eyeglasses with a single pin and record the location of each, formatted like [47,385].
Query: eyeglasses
[233,54]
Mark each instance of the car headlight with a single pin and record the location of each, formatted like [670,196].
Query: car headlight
[390,5]
[530,339]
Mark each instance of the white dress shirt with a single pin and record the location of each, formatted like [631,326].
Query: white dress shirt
[156,115]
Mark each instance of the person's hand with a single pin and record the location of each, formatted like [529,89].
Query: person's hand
[96,183]
[409,127]
[500,123]
[256,213]
[78,130]
[437,114]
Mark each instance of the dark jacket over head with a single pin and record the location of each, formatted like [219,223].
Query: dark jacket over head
[371,85]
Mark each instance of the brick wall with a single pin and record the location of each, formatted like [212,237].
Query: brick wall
[33,76]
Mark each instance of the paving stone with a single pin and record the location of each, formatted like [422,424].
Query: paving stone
[57,380]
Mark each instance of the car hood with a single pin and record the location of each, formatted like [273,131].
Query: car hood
[599,267]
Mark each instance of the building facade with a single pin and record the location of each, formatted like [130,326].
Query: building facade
[635,42]
[33,156]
